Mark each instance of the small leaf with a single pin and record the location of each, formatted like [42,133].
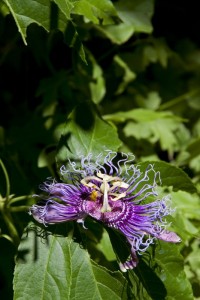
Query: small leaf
[55,267]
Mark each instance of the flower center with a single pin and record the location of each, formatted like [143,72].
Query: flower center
[109,187]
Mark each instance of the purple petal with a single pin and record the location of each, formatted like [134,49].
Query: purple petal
[169,236]
[53,212]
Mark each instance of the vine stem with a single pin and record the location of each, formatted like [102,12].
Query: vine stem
[20,198]
[178,99]
[5,209]
[7,180]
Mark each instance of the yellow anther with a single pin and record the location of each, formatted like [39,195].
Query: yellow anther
[93,195]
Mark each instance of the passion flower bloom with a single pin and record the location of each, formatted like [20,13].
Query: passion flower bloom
[113,191]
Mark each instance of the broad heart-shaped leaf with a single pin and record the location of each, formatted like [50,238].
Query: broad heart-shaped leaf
[57,268]
[85,133]
[171,176]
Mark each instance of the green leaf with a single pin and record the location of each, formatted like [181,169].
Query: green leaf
[138,13]
[128,74]
[39,11]
[65,6]
[141,115]
[72,39]
[152,125]
[105,247]
[187,205]
[193,261]
[171,176]
[56,268]
[147,282]
[27,12]
[118,33]
[187,214]
[99,12]
[97,84]
[85,133]
[194,148]
[170,269]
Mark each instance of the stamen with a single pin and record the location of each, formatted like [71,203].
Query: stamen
[105,185]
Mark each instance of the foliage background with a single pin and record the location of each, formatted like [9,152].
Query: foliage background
[128,68]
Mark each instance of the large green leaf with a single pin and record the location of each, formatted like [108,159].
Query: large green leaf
[171,176]
[85,133]
[57,268]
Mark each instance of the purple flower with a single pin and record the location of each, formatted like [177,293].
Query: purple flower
[114,193]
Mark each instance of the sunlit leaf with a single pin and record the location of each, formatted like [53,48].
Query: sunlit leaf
[151,125]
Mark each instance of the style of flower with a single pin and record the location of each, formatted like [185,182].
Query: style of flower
[114,193]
